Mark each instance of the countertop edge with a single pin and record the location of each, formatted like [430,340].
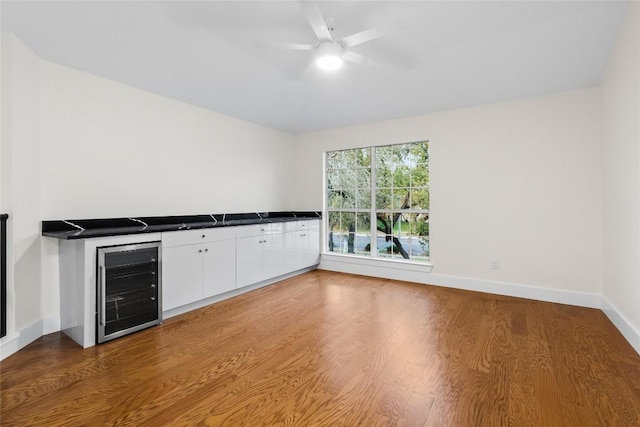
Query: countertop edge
[69,230]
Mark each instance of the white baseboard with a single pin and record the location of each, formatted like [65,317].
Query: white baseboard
[626,328]
[21,339]
[51,324]
[212,300]
[9,345]
[500,288]
[581,299]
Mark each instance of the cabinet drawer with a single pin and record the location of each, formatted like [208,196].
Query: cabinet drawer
[291,226]
[204,235]
[252,230]
[311,224]
[277,227]
[308,224]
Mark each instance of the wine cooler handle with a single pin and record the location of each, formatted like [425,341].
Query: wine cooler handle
[103,296]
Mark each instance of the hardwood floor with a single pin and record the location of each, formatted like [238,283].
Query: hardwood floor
[330,349]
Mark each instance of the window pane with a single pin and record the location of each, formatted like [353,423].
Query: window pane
[401,176]
[420,152]
[383,199]
[420,176]
[395,234]
[349,159]
[334,199]
[385,246]
[349,199]
[363,199]
[357,157]
[334,224]
[384,178]
[384,222]
[419,236]
[422,226]
[332,178]
[385,157]
[401,198]
[363,178]
[335,179]
[348,178]
[390,246]
[349,227]
[334,159]
[363,234]
[420,199]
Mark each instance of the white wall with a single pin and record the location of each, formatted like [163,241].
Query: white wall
[519,182]
[621,159]
[110,150]
[20,196]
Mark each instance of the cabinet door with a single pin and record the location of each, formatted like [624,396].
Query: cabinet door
[219,267]
[248,261]
[312,247]
[295,242]
[181,275]
[273,262]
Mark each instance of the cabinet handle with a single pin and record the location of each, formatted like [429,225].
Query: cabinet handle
[206,250]
[103,296]
[203,236]
[199,251]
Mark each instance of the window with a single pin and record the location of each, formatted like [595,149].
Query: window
[383,192]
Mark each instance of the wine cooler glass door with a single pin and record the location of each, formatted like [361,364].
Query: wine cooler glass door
[128,289]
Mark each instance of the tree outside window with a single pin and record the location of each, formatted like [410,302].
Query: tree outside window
[384,186]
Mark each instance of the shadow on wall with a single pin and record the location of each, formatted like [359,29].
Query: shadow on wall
[27,289]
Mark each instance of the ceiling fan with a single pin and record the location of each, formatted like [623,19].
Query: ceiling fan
[330,53]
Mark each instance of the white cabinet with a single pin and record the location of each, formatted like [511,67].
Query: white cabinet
[181,275]
[260,253]
[302,244]
[273,256]
[197,264]
[219,267]
[248,258]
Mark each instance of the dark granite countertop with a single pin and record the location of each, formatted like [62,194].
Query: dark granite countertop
[87,228]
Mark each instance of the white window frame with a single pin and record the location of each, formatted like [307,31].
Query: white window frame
[372,211]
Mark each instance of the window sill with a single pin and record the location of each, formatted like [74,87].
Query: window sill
[422,267]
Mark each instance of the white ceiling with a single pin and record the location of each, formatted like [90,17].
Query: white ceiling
[437,55]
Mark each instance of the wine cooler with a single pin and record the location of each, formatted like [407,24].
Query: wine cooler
[128,290]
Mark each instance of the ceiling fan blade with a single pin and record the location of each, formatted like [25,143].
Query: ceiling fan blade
[356,58]
[362,37]
[290,46]
[317,22]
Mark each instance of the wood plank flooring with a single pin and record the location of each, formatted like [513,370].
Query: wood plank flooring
[331,349]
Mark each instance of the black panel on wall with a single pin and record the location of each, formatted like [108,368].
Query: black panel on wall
[3,273]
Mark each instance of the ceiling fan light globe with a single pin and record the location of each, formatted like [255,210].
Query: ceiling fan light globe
[329,62]
[329,57]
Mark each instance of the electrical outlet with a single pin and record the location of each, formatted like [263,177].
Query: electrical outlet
[495,265]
